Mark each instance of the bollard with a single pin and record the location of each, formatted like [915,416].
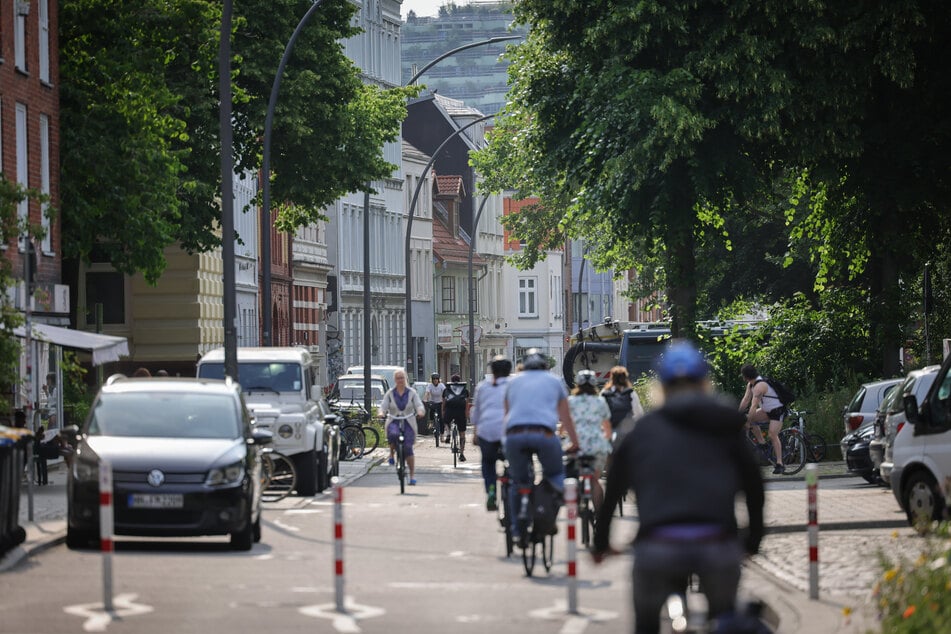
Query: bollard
[338,542]
[812,486]
[571,503]
[105,531]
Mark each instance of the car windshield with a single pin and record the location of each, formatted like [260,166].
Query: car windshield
[352,390]
[165,415]
[259,377]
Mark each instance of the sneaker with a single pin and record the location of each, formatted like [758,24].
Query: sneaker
[779,469]
[490,503]
[412,482]
[391,462]
[462,457]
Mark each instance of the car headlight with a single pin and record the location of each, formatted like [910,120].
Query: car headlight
[86,471]
[285,431]
[231,474]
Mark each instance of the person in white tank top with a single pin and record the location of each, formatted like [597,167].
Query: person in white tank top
[764,407]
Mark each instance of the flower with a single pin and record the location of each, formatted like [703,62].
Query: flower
[890,574]
[908,612]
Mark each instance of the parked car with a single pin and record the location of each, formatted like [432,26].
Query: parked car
[185,458]
[349,387]
[386,371]
[280,387]
[865,403]
[922,453]
[918,382]
[854,446]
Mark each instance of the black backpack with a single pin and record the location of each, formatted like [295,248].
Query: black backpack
[546,501]
[456,395]
[783,393]
[619,402]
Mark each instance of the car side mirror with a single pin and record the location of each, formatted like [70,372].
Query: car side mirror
[261,437]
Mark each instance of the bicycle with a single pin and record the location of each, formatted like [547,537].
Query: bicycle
[372,436]
[400,452]
[791,443]
[582,467]
[352,441]
[454,443]
[278,475]
[505,508]
[815,443]
[435,420]
[686,611]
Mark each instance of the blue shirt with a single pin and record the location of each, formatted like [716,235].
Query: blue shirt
[488,411]
[532,398]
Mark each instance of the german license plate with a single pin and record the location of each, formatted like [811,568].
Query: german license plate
[156,500]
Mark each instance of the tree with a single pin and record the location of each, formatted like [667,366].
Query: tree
[139,118]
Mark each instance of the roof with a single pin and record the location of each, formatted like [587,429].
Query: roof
[279,354]
[120,383]
[450,249]
[451,185]
[104,348]
[456,107]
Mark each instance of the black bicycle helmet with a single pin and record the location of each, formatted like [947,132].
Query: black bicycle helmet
[586,377]
[500,366]
[434,375]
[534,360]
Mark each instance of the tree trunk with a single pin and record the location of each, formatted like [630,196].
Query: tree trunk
[681,260]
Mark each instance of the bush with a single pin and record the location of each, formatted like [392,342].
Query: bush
[912,595]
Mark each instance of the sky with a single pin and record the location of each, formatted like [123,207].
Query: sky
[425,8]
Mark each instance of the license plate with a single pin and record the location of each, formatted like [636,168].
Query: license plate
[156,500]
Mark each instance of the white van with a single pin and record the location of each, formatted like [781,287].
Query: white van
[386,371]
[921,452]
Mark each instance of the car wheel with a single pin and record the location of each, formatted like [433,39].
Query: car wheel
[872,478]
[79,539]
[243,539]
[922,501]
[323,478]
[306,464]
[256,530]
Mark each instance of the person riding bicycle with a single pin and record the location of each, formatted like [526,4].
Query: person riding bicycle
[764,408]
[455,402]
[433,399]
[592,418]
[488,418]
[685,462]
[402,401]
[535,402]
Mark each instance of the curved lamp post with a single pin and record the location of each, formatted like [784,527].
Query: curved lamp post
[472,290]
[410,349]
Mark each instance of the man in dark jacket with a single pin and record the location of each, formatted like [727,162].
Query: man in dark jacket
[685,463]
[455,405]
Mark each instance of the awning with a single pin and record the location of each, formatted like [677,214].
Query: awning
[104,348]
[530,342]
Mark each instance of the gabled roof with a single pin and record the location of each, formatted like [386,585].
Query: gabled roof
[450,249]
[450,186]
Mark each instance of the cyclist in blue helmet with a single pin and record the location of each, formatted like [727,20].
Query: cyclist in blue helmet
[685,462]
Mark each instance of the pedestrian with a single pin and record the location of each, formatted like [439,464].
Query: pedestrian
[623,401]
[454,405]
[41,471]
[162,373]
[488,419]
[686,507]
[19,419]
[535,402]
[433,399]
[592,418]
[399,401]
[765,408]
[142,373]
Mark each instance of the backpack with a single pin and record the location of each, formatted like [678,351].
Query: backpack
[619,402]
[456,395]
[783,393]
[546,501]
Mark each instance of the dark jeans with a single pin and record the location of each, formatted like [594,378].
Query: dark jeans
[518,451]
[39,465]
[662,568]
[491,453]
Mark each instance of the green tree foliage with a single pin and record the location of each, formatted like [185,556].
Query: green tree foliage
[140,133]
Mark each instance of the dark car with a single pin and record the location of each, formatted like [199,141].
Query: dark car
[855,446]
[185,461]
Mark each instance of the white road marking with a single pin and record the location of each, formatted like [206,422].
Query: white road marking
[97,619]
[287,527]
[343,621]
[574,623]
[301,511]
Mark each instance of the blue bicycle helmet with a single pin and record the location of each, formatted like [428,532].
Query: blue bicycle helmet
[681,362]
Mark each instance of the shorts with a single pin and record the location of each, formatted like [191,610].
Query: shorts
[458,415]
[778,413]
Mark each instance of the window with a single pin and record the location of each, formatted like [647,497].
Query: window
[20,11]
[44,39]
[23,208]
[448,294]
[107,288]
[45,180]
[527,305]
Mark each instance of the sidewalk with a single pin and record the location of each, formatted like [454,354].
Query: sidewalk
[48,527]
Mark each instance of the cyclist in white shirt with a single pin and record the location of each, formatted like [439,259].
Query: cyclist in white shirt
[433,399]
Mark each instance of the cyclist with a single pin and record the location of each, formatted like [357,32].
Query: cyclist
[686,506]
[402,401]
[433,399]
[455,402]
[535,401]
[488,417]
[592,418]
[764,408]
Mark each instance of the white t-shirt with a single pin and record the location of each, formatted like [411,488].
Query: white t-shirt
[434,392]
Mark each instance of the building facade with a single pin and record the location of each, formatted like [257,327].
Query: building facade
[421,269]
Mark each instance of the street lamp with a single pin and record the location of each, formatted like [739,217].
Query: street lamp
[227,193]
[472,290]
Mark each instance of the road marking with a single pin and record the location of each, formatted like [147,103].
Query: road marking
[97,619]
[343,621]
[301,511]
[575,623]
[287,527]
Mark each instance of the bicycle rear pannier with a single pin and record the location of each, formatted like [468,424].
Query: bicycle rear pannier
[546,502]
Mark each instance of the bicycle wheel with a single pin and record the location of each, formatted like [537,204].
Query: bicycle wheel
[816,447]
[437,427]
[548,551]
[505,518]
[352,442]
[282,477]
[372,437]
[587,523]
[454,439]
[528,553]
[794,451]
[401,466]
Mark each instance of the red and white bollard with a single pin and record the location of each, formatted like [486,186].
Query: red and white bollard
[812,486]
[106,521]
[338,543]
[571,503]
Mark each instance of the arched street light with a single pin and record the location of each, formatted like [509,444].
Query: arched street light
[472,290]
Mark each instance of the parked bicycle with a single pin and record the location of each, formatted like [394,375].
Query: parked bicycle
[815,443]
[791,443]
[278,475]
[353,441]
